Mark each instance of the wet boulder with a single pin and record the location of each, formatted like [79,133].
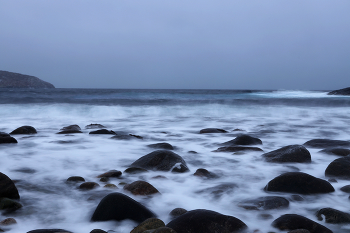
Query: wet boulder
[102,131]
[199,221]
[117,206]
[88,185]
[344,91]
[204,173]
[161,160]
[289,154]
[141,188]
[6,138]
[265,203]
[7,187]
[135,170]
[243,140]
[326,143]
[212,130]
[70,129]
[339,168]
[8,221]
[24,130]
[95,126]
[148,224]
[9,205]
[345,189]
[294,222]
[237,149]
[336,151]
[177,212]
[111,173]
[161,145]
[333,216]
[300,183]
[74,179]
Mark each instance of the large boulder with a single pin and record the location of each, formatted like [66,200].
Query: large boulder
[161,160]
[299,182]
[70,129]
[6,138]
[237,149]
[336,151]
[199,221]
[117,206]
[7,187]
[326,143]
[140,188]
[161,145]
[294,222]
[339,168]
[243,140]
[265,203]
[24,130]
[344,91]
[333,216]
[212,130]
[289,154]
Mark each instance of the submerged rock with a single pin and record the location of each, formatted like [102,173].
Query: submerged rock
[265,203]
[237,149]
[204,173]
[339,168]
[294,222]
[148,224]
[345,188]
[336,151]
[135,170]
[289,154]
[177,212]
[7,187]
[117,206]
[141,188]
[24,130]
[6,138]
[102,131]
[111,173]
[121,135]
[212,130]
[88,185]
[344,91]
[243,140]
[199,221]
[326,143]
[218,190]
[299,182]
[70,129]
[333,216]
[75,179]
[161,160]
[94,126]
[8,204]
[162,145]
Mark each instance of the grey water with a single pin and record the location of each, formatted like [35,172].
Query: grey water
[39,164]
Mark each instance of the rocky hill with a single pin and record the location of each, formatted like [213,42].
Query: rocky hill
[345,91]
[15,80]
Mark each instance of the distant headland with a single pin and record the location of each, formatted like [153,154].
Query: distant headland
[345,91]
[15,80]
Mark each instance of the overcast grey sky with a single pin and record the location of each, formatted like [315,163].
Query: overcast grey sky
[226,44]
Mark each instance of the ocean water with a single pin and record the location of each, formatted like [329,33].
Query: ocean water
[40,164]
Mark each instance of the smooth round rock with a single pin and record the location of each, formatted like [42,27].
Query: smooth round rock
[336,151]
[24,130]
[6,138]
[243,140]
[75,179]
[237,149]
[98,231]
[148,224]
[88,185]
[339,168]
[111,173]
[204,173]
[94,126]
[295,222]
[265,203]
[117,206]
[199,221]
[289,154]
[212,130]
[333,216]
[300,183]
[141,188]
[7,187]
[161,145]
[161,160]
[102,131]
[326,143]
[135,170]
[8,204]
[345,188]
[177,212]
[8,221]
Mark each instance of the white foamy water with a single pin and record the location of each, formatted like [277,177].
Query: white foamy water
[41,163]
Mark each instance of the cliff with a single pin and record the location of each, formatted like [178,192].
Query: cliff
[15,80]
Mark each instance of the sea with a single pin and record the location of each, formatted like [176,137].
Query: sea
[40,164]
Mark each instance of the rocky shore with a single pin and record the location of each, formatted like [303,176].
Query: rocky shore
[15,80]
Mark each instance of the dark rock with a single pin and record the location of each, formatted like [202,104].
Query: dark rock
[94,126]
[199,221]
[218,190]
[159,177]
[336,151]
[117,206]
[333,215]
[161,160]
[8,221]
[162,145]
[71,127]
[294,222]
[299,231]
[265,203]
[136,136]
[16,80]
[192,152]
[332,180]
[104,179]
[296,197]
[75,179]
[212,130]
[299,182]
[6,138]
[88,185]
[204,173]
[24,130]
[265,216]
[344,91]
[26,170]
[163,230]
[69,132]
[326,143]
[98,231]
[289,154]
[111,173]
[8,204]
[49,231]
[148,224]
[120,135]
[135,170]
[345,188]
[141,188]
[102,131]
[111,186]
[7,187]
[177,212]
[237,149]
[339,168]
[243,140]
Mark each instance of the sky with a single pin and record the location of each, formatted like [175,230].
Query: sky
[197,44]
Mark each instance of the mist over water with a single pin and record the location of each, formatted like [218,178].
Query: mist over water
[40,163]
